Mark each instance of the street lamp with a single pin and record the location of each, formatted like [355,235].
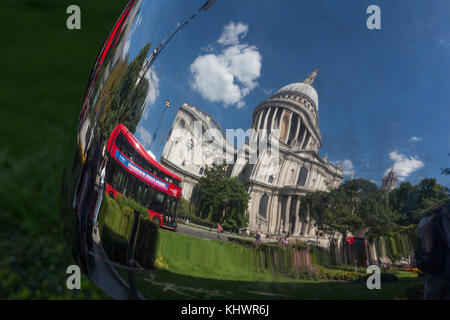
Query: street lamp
[159,122]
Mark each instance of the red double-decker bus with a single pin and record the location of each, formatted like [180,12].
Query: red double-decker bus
[133,173]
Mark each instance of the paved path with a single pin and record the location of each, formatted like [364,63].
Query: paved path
[199,233]
[206,234]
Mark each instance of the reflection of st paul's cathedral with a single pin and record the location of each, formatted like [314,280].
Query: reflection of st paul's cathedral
[275,187]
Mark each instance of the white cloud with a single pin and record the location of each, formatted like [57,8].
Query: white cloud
[231,32]
[214,80]
[153,89]
[136,24]
[240,104]
[231,75]
[415,139]
[347,166]
[404,166]
[143,136]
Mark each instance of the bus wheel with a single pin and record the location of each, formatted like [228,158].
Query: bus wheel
[156,220]
[111,194]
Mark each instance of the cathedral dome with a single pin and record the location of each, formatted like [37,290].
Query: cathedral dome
[302,89]
[293,110]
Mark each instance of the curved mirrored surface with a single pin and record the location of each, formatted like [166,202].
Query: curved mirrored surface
[200,134]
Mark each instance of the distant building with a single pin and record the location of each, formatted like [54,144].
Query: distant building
[389,182]
[275,185]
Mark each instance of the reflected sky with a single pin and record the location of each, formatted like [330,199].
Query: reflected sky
[382,93]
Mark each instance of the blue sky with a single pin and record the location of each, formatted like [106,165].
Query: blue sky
[383,94]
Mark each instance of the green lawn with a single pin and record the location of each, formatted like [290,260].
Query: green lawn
[167,285]
[191,268]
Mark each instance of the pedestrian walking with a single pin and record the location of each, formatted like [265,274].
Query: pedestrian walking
[219,230]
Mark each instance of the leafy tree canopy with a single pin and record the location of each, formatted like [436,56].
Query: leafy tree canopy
[358,206]
[221,199]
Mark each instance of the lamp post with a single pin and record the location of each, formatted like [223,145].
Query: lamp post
[159,122]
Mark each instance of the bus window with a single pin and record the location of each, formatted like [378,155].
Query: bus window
[126,184]
[141,193]
[152,193]
[144,196]
[171,207]
[121,179]
[157,203]
[117,176]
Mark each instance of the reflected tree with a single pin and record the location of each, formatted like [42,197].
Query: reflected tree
[128,99]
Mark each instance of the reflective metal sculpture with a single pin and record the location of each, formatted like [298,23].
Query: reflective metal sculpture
[190,153]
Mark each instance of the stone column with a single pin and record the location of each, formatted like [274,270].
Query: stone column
[273,214]
[297,215]
[251,209]
[305,133]
[258,123]
[308,139]
[273,118]
[310,227]
[266,118]
[278,221]
[287,214]
[297,130]
[289,127]
[305,225]
[268,214]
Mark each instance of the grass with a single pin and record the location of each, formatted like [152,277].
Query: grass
[231,271]
[168,285]
[196,257]
[193,268]
[45,71]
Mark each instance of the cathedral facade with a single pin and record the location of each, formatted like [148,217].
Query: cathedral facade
[275,181]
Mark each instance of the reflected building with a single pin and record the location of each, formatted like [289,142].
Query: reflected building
[200,143]
[276,180]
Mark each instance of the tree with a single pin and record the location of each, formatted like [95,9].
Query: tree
[379,219]
[317,205]
[430,193]
[221,199]
[357,205]
[128,99]
[334,211]
[344,204]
